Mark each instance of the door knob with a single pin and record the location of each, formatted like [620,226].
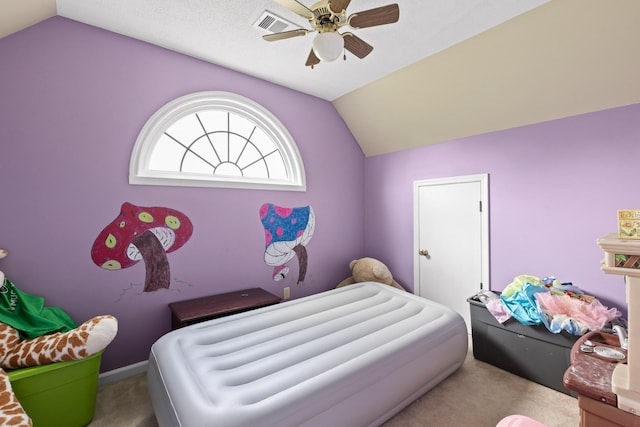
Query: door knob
[424,252]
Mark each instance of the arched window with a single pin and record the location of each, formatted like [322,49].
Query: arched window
[216,139]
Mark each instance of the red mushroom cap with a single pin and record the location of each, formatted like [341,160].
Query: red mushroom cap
[113,248]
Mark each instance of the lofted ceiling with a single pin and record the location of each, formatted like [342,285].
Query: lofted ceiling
[447,69]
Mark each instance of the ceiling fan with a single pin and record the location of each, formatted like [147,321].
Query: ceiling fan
[326,17]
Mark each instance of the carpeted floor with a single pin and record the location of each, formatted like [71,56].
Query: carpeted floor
[477,395]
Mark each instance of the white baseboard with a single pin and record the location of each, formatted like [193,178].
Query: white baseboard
[120,374]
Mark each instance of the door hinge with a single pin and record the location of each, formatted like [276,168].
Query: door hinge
[480,203]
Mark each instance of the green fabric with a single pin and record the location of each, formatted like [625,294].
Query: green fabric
[518,283]
[27,313]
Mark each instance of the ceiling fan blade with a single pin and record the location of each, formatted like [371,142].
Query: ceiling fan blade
[356,45]
[372,17]
[285,35]
[312,59]
[337,6]
[296,7]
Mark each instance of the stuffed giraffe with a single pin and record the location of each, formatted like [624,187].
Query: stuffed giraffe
[79,343]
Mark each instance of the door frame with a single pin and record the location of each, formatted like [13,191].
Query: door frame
[483,179]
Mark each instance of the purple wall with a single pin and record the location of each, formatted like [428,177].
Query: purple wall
[75,97]
[73,100]
[554,188]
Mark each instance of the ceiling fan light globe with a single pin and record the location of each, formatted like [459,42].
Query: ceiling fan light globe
[328,45]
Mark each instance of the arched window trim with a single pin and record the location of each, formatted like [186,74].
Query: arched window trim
[161,120]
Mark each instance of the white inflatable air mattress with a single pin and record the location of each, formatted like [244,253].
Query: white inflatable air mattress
[352,356]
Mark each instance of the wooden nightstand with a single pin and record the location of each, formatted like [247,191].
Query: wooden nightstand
[196,310]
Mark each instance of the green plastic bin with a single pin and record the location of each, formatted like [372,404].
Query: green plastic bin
[61,394]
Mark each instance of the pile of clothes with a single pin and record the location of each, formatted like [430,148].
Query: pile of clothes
[559,306]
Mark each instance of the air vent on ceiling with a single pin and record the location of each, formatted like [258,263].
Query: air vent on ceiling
[272,23]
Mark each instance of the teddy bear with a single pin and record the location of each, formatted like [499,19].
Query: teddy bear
[369,270]
[17,352]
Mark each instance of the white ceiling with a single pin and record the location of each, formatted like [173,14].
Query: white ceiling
[223,32]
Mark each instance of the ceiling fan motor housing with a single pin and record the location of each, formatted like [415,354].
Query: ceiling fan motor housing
[324,19]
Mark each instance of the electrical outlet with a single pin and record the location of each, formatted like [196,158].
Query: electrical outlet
[286,293]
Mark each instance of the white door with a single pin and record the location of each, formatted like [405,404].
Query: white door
[451,247]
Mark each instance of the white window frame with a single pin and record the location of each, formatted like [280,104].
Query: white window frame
[161,120]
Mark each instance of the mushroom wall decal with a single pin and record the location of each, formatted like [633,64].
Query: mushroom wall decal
[287,232]
[142,233]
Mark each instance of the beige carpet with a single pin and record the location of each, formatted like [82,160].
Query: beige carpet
[477,395]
